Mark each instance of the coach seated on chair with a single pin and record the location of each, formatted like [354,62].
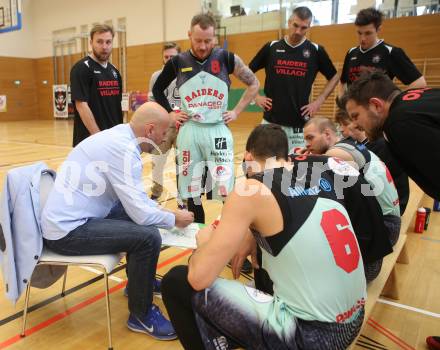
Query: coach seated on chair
[98,206]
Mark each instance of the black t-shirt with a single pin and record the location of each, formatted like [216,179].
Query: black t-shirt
[101,88]
[382,150]
[413,133]
[387,58]
[185,66]
[314,177]
[290,73]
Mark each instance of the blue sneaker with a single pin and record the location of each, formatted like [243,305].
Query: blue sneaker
[154,324]
[157,288]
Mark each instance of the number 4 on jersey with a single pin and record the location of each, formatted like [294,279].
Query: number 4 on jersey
[342,241]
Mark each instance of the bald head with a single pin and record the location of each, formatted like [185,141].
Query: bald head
[150,121]
[149,113]
[320,134]
[321,124]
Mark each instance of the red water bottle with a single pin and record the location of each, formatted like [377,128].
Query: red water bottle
[420,220]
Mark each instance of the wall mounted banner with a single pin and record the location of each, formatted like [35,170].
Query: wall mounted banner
[125,103]
[3,106]
[60,105]
[137,98]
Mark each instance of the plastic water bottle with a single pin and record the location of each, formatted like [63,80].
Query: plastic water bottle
[420,220]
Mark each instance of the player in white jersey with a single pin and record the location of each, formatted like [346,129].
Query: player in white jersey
[160,155]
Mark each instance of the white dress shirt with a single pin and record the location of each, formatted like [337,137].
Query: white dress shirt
[99,172]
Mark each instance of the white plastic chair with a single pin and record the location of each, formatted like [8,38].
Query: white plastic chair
[105,262]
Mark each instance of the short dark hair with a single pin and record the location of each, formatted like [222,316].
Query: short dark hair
[368,16]
[342,117]
[171,45]
[204,20]
[101,28]
[268,140]
[371,84]
[302,12]
[340,101]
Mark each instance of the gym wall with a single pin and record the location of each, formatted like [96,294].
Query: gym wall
[147,22]
[417,35]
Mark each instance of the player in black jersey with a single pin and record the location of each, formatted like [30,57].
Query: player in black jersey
[96,87]
[291,65]
[375,54]
[382,150]
[321,138]
[409,121]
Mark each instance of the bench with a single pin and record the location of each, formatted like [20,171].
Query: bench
[386,284]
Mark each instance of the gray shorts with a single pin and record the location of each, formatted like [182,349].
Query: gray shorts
[392,222]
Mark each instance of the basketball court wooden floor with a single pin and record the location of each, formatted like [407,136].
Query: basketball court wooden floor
[78,321]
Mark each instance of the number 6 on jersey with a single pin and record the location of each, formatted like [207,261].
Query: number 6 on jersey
[341,239]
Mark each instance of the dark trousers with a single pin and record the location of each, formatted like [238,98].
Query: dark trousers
[114,234]
[177,295]
[226,316]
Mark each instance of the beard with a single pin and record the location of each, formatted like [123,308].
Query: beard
[375,129]
[320,147]
[102,57]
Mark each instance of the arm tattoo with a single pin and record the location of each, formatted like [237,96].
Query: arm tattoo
[243,72]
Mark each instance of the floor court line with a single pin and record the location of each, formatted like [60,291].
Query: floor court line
[60,316]
[16,165]
[430,239]
[366,341]
[35,143]
[369,346]
[57,296]
[97,272]
[395,339]
[69,291]
[410,308]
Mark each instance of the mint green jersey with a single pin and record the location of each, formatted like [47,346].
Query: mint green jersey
[319,275]
[377,175]
[204,85]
